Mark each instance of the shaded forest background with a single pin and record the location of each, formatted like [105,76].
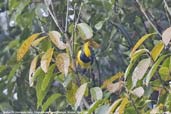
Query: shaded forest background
[117,25]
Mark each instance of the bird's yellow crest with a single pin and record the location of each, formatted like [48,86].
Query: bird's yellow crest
[86,49]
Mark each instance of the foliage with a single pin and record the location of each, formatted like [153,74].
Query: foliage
[38,68]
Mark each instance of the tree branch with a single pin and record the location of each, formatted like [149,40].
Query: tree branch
[66,19]
[168,11]
[69,45]
[146,16]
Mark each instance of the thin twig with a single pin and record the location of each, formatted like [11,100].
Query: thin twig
[85,103]
[53,17]
[53,9]
[146,16]
[167,7]
[69,44]
[75,25]
[73,34]
[145,27]
[99,73]
[76,22]
[66,19]
[60,29]
[168,10]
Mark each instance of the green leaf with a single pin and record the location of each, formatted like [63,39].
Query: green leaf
[130,110]
[50,100]
[70,94]
[157,50]
[95,105]
[140,41]
[113,107]
[140,70]
[13,71]
[48,78]
[138,53]
[128,74]
[43,82]
[155,83]
[169,64]
[128,69]
[79,95]
[166,62]
[38,72]
[164,73]
[99,25]
[45,45]
[85,31]
[39,93]
[18,7]
[154,69]
[13,4]
[13,43]
[71,28]
[168,102]
[2,68]
[102,109]
[96,93]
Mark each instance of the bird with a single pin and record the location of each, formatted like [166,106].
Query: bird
[85,56]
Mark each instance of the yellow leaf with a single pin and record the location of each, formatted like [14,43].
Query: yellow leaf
[140,41]
[32,70]
[55,37]
[37,41]
[63,62]
[46,59]
[157,50]
[25,46]
[111,79]
[166,36]
[138,53]
[113,107]
[123,105]
[71,91]
[94,44]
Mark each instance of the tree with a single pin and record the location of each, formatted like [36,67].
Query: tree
[47,36]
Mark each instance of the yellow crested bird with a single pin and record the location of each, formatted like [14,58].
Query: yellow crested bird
[85,56]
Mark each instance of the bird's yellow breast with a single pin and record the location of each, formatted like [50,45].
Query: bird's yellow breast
[80,62]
